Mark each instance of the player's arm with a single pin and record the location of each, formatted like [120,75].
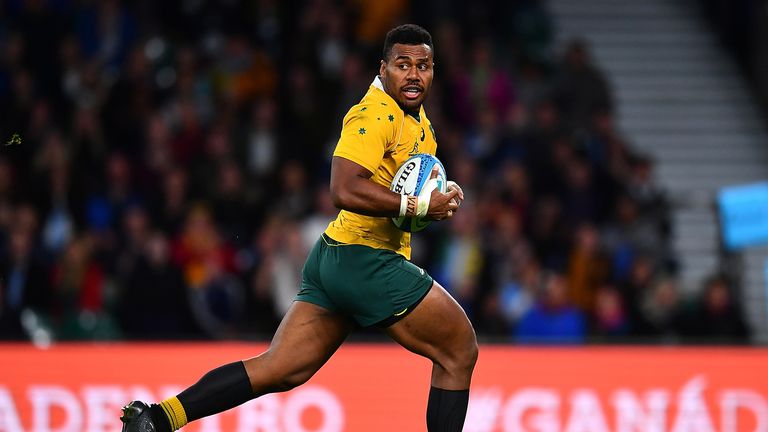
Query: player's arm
[352,190]
[361,147]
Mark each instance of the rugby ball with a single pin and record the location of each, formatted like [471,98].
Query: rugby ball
[410,179]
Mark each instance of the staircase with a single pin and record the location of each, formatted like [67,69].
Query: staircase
[681,100]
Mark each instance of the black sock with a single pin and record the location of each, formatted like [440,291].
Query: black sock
[219,390]
[446,409]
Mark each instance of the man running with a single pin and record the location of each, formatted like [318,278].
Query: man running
[358,273]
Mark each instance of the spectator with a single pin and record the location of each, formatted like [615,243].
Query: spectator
[491,85]
[106,206]
[715,317]
[610,321]
[515,189]
[628,236]
[79,282]
[552,319]
[635,288]
[548,233]
[173,201]
[318,221]
[209,268]
[461,260]
[187,141]
[157,159]
[515,296]
[293,199]
[261,140]
[262,313]
[662,311]
[156,286]
[200,250]
[281,267]
[581,89]
[233,204]
[129,102]
[581,200]
[25,280]
[207,163]
[131,246]
[588,268]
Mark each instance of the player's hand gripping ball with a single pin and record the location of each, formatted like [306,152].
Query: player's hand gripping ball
[458,198]
[413,178]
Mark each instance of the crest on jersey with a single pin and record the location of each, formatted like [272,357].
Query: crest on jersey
[415,149]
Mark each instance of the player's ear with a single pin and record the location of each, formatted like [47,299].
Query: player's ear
[382,66]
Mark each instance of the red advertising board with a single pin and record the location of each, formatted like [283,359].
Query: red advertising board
[81,387]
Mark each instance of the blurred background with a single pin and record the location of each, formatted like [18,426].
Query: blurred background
[172,162]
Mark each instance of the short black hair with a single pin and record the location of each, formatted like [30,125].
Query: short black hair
[407,34]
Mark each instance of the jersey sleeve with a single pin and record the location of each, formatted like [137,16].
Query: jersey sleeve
[366,135]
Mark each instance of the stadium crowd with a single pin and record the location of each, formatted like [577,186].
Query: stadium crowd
[173,162]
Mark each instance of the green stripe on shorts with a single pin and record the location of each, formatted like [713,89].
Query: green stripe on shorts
[370,285]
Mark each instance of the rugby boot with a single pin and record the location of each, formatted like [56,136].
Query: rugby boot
[136,418]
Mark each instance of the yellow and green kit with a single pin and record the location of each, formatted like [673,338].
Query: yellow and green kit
[360,266]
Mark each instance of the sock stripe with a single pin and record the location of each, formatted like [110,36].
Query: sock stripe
[181,413]
[175,412]
[168,415]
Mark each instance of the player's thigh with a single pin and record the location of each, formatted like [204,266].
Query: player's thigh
[306,338]
[438,329]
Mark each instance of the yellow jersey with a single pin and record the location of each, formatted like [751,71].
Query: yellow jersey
[378,135]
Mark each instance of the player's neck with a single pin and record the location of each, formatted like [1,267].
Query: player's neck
[413,112]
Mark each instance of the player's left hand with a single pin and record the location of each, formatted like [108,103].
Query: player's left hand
[433,204]
[452,185]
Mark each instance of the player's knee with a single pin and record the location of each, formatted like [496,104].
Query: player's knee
[469,353]
[462,356]
[280,380]
[268,374]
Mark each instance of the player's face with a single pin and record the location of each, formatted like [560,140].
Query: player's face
[407,74]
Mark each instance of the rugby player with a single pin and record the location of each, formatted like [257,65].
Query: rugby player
[358,273]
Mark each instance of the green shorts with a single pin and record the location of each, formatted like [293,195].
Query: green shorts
[373,286]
